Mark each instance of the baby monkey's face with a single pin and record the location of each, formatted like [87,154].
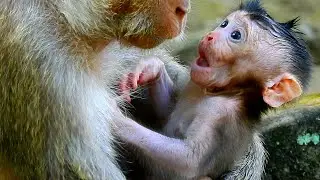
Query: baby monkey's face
[221,46]
[251,50]
[224,51]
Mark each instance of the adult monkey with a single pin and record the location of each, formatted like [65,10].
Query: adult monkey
[56,111]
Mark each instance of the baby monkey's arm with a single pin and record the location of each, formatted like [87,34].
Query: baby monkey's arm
[182,157]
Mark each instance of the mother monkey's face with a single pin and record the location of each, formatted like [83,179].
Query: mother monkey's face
[147,23]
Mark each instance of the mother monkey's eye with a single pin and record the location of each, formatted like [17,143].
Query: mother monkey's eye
[224,24]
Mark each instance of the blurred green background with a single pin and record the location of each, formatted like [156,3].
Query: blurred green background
[207,14]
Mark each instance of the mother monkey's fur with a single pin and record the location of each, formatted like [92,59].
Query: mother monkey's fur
[57,106]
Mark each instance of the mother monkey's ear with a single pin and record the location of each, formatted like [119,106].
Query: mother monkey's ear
[147,23]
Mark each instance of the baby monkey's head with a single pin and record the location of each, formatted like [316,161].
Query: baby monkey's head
[250,46]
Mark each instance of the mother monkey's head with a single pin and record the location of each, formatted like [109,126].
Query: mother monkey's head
[142,23]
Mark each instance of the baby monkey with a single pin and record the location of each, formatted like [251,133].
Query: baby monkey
[248,64]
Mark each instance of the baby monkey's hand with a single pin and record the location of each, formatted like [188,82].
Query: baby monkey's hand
[147,71]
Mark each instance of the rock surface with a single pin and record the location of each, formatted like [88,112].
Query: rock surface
[294,148]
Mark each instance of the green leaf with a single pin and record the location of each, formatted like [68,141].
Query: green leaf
[315,138]
[304,140]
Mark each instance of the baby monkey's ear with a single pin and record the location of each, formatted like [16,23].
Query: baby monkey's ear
[281,90]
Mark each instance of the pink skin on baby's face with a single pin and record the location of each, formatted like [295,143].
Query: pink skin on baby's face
[218,52]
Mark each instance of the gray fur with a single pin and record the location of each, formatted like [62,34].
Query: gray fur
[251,165]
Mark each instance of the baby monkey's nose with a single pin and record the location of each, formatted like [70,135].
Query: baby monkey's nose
[212,36]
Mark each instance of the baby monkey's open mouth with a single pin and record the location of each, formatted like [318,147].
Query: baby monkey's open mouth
[202,60]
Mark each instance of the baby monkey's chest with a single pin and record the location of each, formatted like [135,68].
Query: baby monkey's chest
[179,124]
[189,117]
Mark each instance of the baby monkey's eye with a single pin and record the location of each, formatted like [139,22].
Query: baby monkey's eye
[224,24]
[236,35]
